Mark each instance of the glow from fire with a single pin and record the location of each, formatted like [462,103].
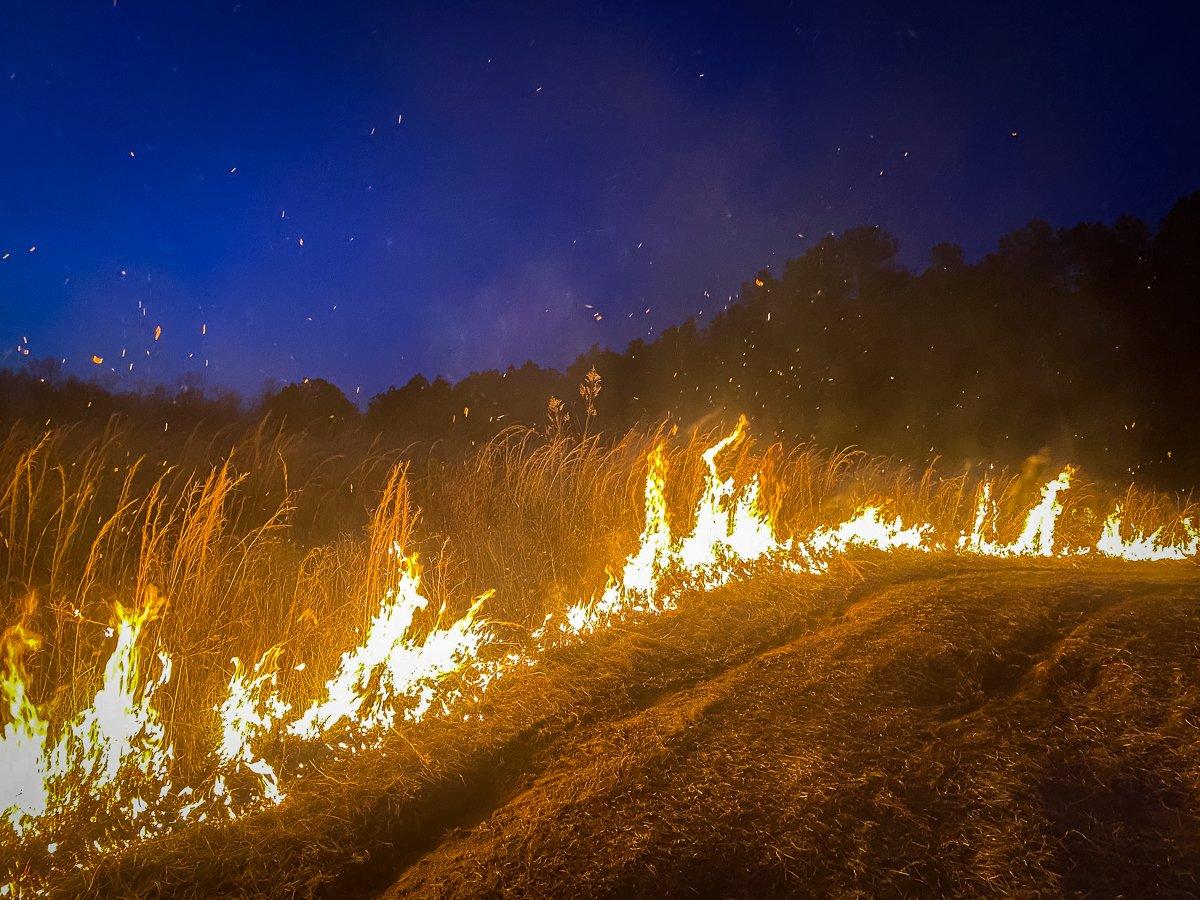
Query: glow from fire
[391,673]
[112,761]
[1144,547]
[1036,537]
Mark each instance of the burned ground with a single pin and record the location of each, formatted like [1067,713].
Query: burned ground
[906,727]
[978,732]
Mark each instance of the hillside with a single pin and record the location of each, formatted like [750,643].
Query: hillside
[914,727]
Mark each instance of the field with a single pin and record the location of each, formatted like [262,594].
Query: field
[1000,727]
[876,719]
[964,732]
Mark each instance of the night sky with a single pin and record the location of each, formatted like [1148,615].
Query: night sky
[361,191]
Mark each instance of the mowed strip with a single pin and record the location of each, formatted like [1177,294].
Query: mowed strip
[1006,730]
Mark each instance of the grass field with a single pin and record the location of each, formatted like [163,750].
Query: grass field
[902,726]
[263,544]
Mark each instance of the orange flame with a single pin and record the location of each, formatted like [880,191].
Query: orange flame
[23,795]
[115,749]
[390,673]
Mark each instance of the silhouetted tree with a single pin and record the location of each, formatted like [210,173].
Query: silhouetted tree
[946,257]
[313,404]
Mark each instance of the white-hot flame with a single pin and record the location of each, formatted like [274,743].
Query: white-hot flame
[1037,535]
[1144,547]
[392,672]
[867,529]
[251,711]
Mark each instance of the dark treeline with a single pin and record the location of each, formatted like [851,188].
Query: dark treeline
[1078,341]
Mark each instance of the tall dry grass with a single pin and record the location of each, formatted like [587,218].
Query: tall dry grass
[258,537]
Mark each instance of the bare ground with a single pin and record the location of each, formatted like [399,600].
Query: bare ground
[962,734]
[932,727]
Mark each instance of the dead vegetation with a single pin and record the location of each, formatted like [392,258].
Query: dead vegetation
[913,727]
[265,537]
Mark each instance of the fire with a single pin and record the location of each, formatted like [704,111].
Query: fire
[120,729]
[112,763]
[1144,546]
[1037,536]
[391,673]
[637,587]
[730,529]
[645,568]
[251,710]
[867,529]
[113,754]
[23,761]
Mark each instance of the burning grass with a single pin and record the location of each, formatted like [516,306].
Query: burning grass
[278,550]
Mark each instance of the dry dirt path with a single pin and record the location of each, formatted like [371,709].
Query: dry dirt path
[994,731]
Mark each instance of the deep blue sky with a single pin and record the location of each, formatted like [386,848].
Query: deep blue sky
[552,163]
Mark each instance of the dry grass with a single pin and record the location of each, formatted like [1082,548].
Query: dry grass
[923,726]
[263,537]
[346,830]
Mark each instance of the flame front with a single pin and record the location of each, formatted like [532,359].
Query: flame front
[1144,547]
[868,529]
[638,586]
[390,673]
[1036,537]
[120,730]
[731,530]
[23,792]
[111,762]
[251,710]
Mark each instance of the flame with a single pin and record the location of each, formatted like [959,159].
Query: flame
[868,529]
[23,795]
[116,747]
[112,762]
[985,511]
[251,710]
[1144,546]
[112,754]
[731,532]
[390,672]
[644,568]
[1037,535]
[638,585]
[730,529]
